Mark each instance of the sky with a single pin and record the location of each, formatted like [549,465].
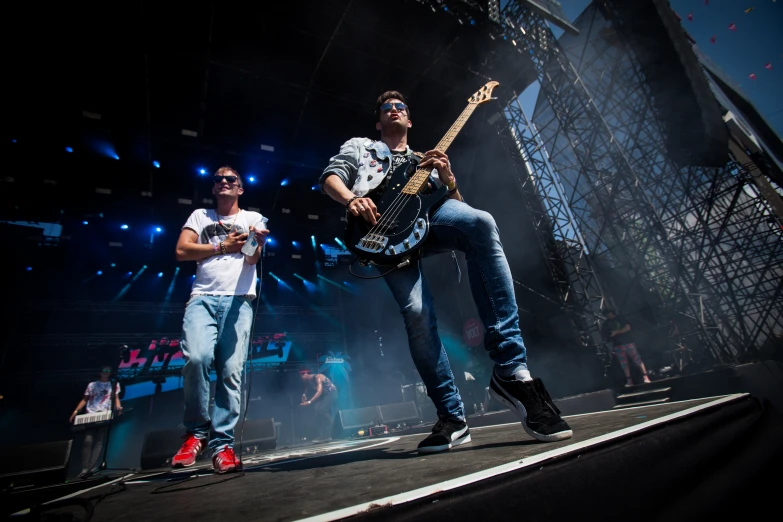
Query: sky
[757,40]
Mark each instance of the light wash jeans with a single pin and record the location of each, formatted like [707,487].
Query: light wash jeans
[215,332]
[457,226]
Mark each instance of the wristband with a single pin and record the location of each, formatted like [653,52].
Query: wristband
[351,201]
[452,186]
[215,249]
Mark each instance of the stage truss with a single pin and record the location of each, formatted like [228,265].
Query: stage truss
[701,242]
[698,247]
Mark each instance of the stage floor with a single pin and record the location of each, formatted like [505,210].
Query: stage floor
[344,478]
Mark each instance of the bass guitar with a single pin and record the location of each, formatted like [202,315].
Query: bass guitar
[404,224]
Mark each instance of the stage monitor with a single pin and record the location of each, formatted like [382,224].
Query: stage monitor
[552,10]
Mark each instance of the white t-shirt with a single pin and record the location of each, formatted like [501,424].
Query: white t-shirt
[98,395]
[223,274]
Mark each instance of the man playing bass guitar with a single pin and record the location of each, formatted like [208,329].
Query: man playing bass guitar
[350,178]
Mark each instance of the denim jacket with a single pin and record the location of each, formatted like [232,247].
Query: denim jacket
[362,164]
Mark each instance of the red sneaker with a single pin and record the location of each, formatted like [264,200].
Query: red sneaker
[226,460]
[190,450]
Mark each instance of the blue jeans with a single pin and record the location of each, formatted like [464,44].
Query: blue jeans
[457,226]
[215,333]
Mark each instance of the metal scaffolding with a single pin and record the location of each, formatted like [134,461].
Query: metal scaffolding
[700,245]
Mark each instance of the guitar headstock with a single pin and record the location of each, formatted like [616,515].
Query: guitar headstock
[484,94]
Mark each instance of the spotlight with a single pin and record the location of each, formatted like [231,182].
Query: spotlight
[295,243]
[115,156]
[124,227]
[68,149]
[269,240]
[113,265]
[342,245]
[85,223]
[284,183]
[202,171]
[156,164]
[13,141]
[29,269]
[99,272]
[251,179]
[129,273]
[160,274]
[193,276]
[158,229]
[314,187]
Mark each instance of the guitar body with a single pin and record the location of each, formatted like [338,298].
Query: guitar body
[403,226]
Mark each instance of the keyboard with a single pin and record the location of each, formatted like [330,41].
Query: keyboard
[89,420]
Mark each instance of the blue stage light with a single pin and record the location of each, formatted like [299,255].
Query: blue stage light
[13,141]
[129,273]
[156,164]
[284,183]
[68,149]
[202,171]
[158,229]
[270,241]
[193,276]
[113,265]
[295,243]
[124,227]
[160,274]
[99,272]
[29,269]
[314,187]
[251,179]
[84,223]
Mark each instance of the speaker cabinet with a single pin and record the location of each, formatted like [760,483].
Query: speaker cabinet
[34,465]
[360,417]
[399,412]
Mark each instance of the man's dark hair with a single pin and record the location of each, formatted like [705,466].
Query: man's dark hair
[389,95]
[228,171]
[609,311]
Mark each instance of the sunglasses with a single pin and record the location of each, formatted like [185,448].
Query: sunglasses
[219,179]
[386,107]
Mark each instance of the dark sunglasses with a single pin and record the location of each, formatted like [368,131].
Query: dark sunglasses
[219,179]
[386,107]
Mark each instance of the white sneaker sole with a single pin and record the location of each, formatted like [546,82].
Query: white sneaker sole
[519,410]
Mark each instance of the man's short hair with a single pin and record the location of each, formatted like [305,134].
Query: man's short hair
[389,95]
[226,170]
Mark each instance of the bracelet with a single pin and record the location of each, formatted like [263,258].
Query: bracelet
[223,247]
[351,201]
[452,186]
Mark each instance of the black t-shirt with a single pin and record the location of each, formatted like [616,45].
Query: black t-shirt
[617,323]
[398,158]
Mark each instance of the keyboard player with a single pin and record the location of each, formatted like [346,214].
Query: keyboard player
[97,399]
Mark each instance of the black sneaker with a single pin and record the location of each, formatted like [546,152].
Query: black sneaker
[445,435]
[530,401]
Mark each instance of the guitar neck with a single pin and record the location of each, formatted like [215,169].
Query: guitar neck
[419,179]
